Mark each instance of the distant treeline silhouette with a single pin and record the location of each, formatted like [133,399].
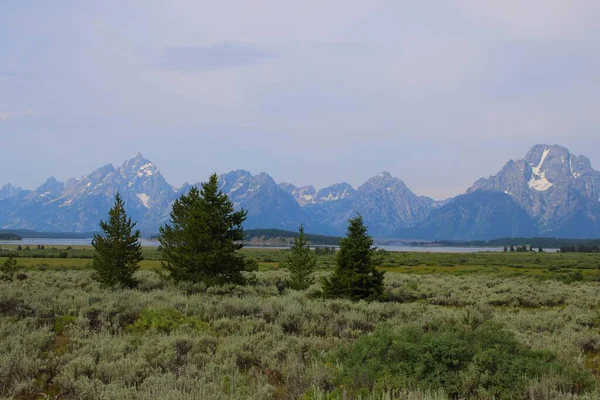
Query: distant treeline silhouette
[274,233]
[29,234]
[569,245]
[267,234]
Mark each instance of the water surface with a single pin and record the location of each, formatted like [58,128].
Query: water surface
[154,243]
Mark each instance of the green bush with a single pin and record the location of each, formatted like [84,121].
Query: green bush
[62,322]
[487,362]
[166,321]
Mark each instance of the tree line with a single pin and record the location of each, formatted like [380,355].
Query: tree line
[201,243]
[582,248]
[522,249]
[274,233]
[536,242]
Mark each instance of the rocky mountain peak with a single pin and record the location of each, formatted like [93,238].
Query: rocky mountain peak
[554,186]
[51,187]
[383,180]
[100,174]
[138,167]
[233,181]
[9,190]
[338,191]
[304,195]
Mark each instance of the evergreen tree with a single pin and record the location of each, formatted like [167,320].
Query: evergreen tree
[201,242]
[118,252]
[355,276]
[301,263]
[9,268]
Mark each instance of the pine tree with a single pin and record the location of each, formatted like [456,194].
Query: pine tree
[301,263]
[9,268]
[355,276]
[201,242]
[118,252]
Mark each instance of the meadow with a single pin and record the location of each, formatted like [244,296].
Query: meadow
[481,325]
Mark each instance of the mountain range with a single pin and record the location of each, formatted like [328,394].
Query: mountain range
[550,192]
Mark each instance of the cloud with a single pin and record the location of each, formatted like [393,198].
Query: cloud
[7,115]
[438,95]
[213,57]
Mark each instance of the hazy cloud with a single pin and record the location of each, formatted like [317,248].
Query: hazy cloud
[213,57]
[7,115]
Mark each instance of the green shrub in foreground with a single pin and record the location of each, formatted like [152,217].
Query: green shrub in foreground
[487,362]
[166,321]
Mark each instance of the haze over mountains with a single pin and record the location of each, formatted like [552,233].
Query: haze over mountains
[550,192]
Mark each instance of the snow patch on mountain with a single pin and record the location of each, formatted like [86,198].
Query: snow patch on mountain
[575,174]
[146,169]
[145,199]
[332,197]
[538,179]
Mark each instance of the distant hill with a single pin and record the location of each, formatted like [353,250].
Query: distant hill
[29,234]
[9,236]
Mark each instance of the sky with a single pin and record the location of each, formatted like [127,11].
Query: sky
[314,92]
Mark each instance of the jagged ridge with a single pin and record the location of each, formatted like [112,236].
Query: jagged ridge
[549,192]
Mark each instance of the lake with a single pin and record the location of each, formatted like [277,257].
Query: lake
[154,243]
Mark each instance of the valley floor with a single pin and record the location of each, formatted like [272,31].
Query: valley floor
[62,336]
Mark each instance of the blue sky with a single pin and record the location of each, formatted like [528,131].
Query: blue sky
[312,92]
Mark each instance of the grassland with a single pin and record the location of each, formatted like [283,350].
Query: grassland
[63,335]
[542,265]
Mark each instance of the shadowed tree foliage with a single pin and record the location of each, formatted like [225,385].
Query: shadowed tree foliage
[118,252]
[301,263]
[355,276]
[201,242]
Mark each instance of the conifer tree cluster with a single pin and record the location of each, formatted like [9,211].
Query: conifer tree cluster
[355,276]
[118,252]
[301,263]
[200,244]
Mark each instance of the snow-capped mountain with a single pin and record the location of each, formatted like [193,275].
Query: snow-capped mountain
[303,195]
[309,195]
[559,190]
[79,204]
[549,192]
